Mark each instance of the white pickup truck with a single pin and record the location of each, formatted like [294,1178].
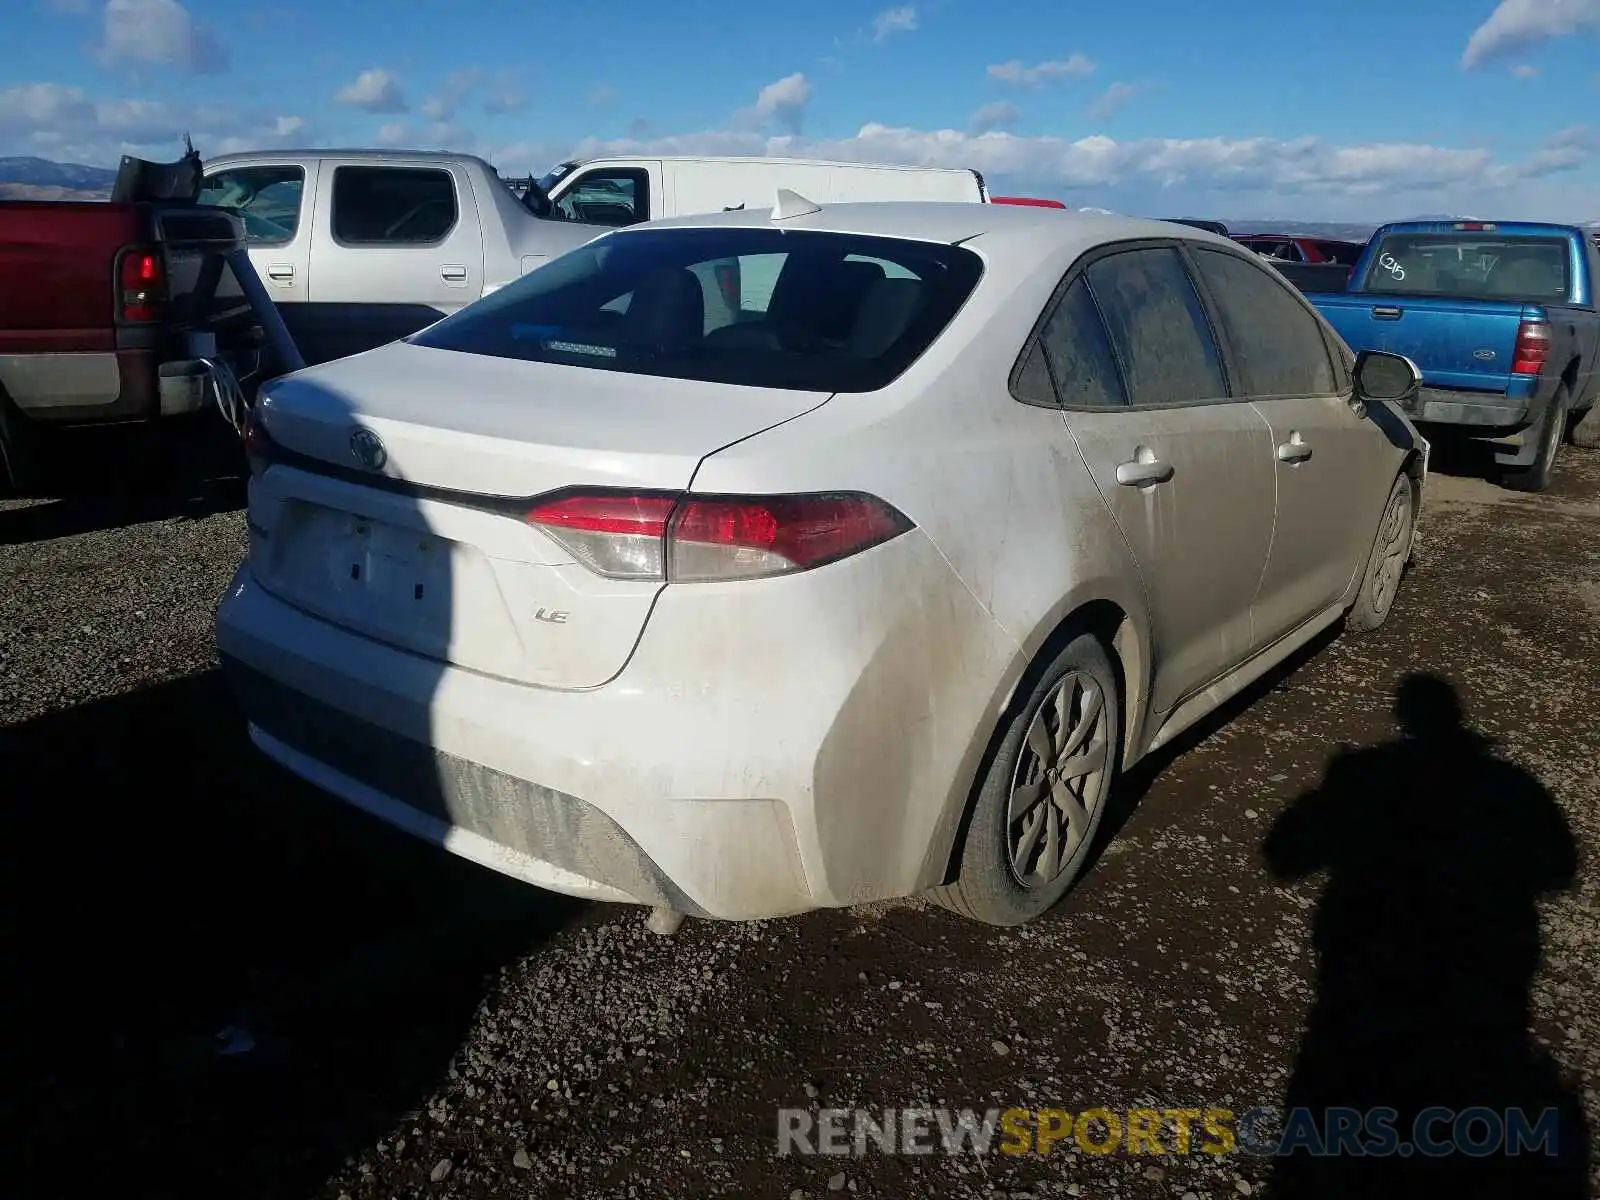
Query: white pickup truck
[360,247]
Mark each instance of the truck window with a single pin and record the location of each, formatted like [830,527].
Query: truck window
[1277,343]
[1484,266]
[393,206]
[1158,327]
[266,198]
[607,197]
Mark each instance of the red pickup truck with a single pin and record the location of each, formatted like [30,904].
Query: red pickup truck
[107,309]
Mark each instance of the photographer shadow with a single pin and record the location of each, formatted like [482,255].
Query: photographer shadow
[1427,934]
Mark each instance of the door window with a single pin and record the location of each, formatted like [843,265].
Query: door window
[393,206]
[1158,328]
[267,199]
[1078,353]
[607,197]
[1278,347]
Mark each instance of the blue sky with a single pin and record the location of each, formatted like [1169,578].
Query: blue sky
[1358,109]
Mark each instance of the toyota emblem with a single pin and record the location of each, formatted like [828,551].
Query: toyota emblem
[368,450]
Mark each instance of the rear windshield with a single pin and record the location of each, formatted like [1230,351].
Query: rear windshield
[765,307]
[1477,265]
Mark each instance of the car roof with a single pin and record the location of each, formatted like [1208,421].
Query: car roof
[951,223]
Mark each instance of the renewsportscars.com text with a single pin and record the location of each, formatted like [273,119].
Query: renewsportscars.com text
[1261,1131]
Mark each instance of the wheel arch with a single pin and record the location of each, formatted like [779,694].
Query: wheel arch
[1116,620]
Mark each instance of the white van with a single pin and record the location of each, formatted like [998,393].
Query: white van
[625,191]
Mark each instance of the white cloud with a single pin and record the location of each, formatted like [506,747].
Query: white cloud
[456,87]
[1045,72]
[376,90]
[784,101]
[65,124]
[44,106]
[894,20]
[1525,71]
[1002,114]
[429,135]
[1113,100]
[1517,24]
[159,33]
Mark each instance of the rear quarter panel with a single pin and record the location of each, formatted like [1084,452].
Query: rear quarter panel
[999,490]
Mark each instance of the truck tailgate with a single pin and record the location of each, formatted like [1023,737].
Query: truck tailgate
[1465,345]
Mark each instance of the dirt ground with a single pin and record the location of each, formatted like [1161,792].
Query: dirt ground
[423,1028]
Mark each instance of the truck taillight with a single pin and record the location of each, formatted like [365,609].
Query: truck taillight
[257,445]
[142,285]
[1532,348]
[675,538]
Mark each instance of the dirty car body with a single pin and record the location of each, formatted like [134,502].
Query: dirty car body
[637,598]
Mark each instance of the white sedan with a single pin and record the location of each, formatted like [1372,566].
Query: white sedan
[865,585]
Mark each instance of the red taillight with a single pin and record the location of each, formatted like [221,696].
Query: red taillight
[1474,226]
[1532,349]
[142,281]
[689,539]
[1030,201]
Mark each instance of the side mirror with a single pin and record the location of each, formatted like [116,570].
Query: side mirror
[1381,376]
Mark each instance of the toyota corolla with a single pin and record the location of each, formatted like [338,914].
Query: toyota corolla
[748,563]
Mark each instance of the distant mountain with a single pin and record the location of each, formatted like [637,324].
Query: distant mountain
[33,191]
[41,172]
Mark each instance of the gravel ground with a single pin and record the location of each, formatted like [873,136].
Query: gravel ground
[427,1029]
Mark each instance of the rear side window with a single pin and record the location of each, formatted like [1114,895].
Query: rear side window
[1158,327]
[1277,345]
[267,199]
[1484,266]
[393,206]
[1079,354]
[763,307]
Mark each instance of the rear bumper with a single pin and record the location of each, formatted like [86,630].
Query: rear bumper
[92,387]
[1486,410]
[757,757]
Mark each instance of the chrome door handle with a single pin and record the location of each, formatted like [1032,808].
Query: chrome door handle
[453,274]
[1137,473]
[281,271]
[1294,450]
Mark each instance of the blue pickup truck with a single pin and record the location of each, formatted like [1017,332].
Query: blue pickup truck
[1499,318]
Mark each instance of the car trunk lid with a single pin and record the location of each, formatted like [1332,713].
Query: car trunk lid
[394,502]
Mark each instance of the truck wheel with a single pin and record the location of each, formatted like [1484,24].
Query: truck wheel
[1386,565]
[1042,797]
[1586,432]
[1552,432]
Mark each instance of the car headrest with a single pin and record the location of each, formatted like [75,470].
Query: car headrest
[668,309]
[886,312]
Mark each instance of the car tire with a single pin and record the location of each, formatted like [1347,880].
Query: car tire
[1386,564]
[1039,803]
[1552,432]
